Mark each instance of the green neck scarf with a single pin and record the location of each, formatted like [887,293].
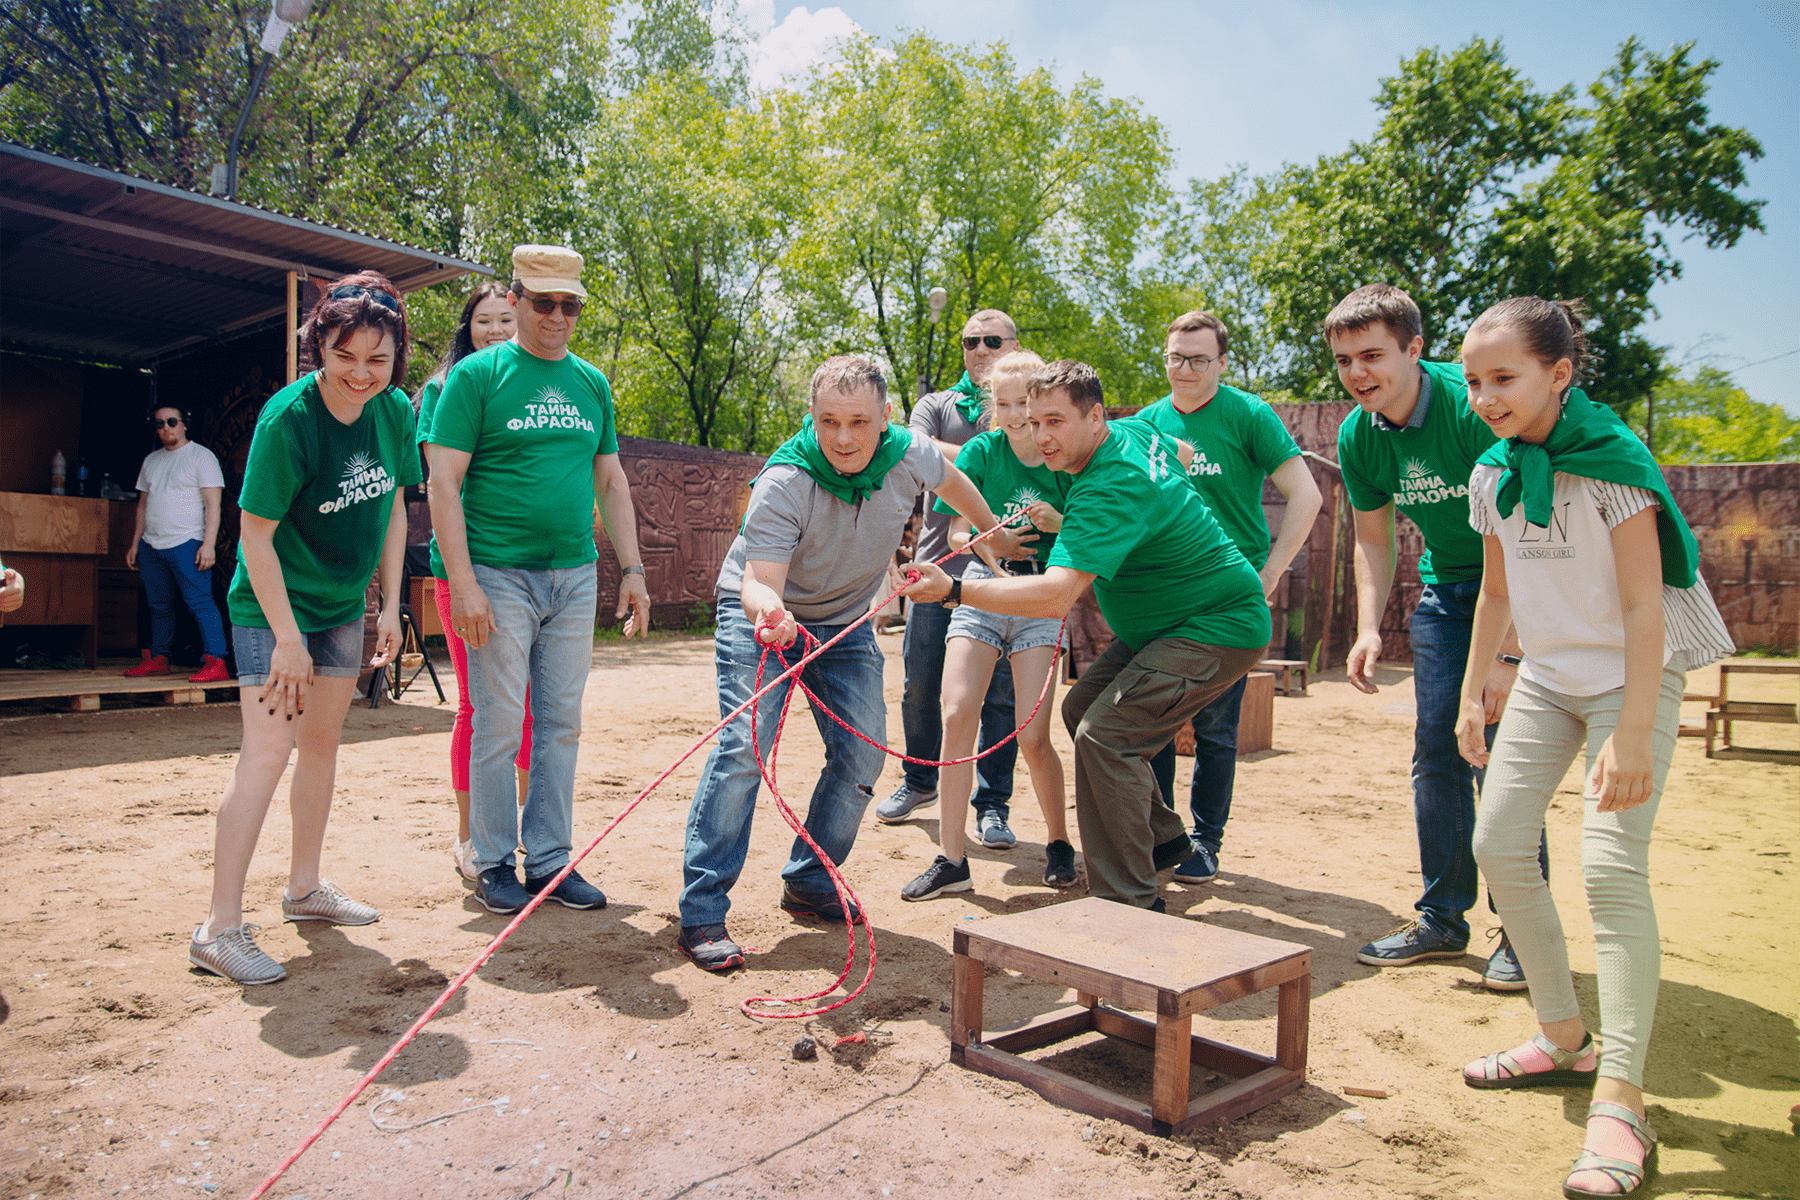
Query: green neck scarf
[1590,440]
[802,450]
[968,398]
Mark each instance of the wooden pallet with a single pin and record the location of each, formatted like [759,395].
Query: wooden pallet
[80,691]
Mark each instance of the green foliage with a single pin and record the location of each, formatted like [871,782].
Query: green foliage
[1707,418]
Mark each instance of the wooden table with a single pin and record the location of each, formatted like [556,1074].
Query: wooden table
[56,543]
[1725,710]
[1118,957]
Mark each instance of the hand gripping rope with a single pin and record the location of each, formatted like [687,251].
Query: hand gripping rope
[846,897]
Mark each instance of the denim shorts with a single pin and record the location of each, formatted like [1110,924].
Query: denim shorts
[336,653]
[1009,635]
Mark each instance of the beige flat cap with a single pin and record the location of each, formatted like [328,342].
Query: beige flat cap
[548,269]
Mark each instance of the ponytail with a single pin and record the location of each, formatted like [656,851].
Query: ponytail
[1551,330]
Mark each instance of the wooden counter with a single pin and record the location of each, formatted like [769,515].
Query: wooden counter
[56,543]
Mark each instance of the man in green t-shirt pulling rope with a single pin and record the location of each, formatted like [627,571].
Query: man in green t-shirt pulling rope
[520,445]
[1187,609]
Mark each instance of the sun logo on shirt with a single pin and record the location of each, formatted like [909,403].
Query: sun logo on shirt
[357,464]
[552,395]
[1416,469]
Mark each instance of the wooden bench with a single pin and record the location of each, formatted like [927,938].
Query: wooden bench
[1284,670]
[1256,719]
[1117,957]
[1725,710]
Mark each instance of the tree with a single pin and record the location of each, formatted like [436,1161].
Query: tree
[1706,417]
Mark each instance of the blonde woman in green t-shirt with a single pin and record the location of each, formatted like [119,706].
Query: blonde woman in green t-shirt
[322,504]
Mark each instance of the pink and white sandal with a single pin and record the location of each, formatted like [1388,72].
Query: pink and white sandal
[1628,1175]
[1538,1063]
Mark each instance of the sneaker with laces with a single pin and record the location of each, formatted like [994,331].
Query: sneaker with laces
[940,877]
[153,664]
[463,853]
[825,906]
[901,804]
[1410,943]
[1201,867]
[235,956]
[212,670]
[498,890]
[326,903]
[572,892]
[994,834]
[1059,865]
[1503,973]
[710,947]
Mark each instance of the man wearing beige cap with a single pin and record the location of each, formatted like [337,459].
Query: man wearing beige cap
[520,445]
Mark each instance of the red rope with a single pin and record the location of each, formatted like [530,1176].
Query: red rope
[845,895]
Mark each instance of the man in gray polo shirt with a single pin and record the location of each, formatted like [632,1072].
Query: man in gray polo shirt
[824,519]
[950,418]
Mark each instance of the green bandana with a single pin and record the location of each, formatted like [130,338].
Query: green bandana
[1589,440]
[802,450]
[969,397]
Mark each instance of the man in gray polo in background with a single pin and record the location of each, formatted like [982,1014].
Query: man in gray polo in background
[950,418]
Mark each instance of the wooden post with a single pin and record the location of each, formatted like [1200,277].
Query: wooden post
[293,326]
[1169,1074]
[1291,1008]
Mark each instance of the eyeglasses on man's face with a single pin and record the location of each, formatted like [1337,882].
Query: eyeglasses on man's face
[543,306]
[159,422]
[992,341]
[1197,362]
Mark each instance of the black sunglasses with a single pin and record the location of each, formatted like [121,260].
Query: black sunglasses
[351,290]
[543,306]
[159,422]
[992,341]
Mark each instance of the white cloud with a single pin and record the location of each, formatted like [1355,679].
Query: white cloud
[802,40]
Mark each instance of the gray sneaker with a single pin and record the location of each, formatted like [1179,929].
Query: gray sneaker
[993,832]
[235,956]
[326,903]
[900,805]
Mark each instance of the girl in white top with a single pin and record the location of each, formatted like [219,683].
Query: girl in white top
[1578,523]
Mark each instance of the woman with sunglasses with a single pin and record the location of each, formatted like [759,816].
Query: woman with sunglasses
[322,505]
[487,320]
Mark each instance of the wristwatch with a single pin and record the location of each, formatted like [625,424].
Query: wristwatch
[637,570]
[954,599]
[1511,660]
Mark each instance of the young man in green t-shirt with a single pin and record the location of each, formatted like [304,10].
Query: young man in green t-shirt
[1186,607]
[1411,447]
[1238,442]
[521,443]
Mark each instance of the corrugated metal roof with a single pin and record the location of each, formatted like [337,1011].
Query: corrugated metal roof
[107,267]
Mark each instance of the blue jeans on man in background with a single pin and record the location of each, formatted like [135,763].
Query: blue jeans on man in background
[922,713]
[1444,784]
[544,638]
[1215,767]
[167,572]
[847,680]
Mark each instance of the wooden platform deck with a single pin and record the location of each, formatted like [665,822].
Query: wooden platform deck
[80,691]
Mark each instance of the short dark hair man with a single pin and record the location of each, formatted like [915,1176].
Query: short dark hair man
[180,488]
[950,418]
[824,519]
[1186,606]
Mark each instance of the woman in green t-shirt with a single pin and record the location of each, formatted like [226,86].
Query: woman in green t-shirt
[322,503]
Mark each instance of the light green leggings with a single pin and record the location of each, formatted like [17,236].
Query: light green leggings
[1540,735]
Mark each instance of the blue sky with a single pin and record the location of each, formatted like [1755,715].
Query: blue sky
[1288,80]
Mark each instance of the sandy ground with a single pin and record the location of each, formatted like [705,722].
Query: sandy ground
[610,1066]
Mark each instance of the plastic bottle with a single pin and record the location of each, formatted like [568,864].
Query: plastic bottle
[59,473]
[81,478]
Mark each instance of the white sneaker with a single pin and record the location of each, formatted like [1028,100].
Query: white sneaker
[235,956]
[464,854]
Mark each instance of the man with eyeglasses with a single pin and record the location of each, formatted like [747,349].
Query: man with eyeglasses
[520,445]
[950,418]
[179,488]
[1238,442]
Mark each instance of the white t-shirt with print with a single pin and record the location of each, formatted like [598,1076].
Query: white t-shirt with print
[1564,585]
[172,480]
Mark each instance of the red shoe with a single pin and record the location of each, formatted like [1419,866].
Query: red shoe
[212,670]
[152,665]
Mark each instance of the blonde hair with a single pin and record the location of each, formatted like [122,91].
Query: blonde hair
[1021,364]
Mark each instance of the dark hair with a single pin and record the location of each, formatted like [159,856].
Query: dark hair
[463,343]
[1376,303]
[1081,381]
[849,373]
[1189,322]
[1551,330]
[335,317]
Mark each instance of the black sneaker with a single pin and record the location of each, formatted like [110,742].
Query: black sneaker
[1202,867]
[498,890]
[710,947]
[940,877]
[1159,905]
[1173,852]
[573,892]
[826,907]
[1059,866]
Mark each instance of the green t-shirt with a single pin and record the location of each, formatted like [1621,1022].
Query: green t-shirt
[1238,441]
[1006,483]
[1163,565]
[532,428]
[331,486]
[1424,470]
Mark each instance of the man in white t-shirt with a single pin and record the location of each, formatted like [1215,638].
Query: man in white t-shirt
[179,492]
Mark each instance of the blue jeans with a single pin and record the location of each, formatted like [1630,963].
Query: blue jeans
[164,573]
[1444,784]
[1215,766]
[922,713]
[545,639]
[847,679]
